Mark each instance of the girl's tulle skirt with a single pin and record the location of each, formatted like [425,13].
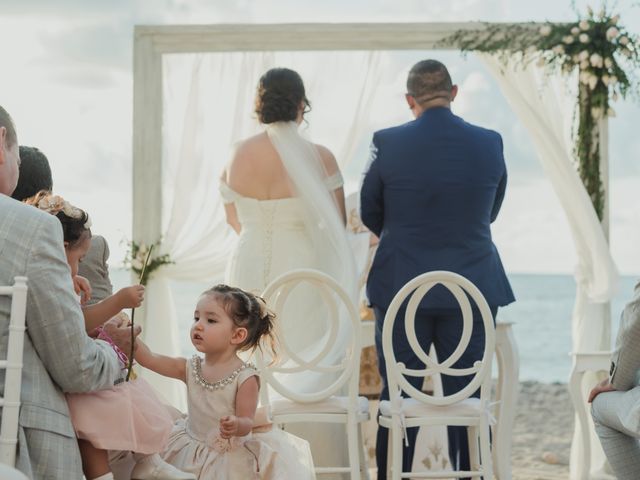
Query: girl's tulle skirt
[128,416]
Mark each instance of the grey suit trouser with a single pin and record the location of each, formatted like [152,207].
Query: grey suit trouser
[617,421]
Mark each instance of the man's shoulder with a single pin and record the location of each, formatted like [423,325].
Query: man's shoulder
[24,215]
[394,130]
[482,131]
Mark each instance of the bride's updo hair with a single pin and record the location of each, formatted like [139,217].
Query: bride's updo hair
[280,94]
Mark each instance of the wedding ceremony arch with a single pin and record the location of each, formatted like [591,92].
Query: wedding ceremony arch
[186,223]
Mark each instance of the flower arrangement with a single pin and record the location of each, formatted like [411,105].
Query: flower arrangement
[602,51]
[137,255]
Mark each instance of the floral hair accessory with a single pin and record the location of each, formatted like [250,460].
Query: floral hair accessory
[54,204]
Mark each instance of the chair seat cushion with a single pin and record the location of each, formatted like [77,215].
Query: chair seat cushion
[469,407]
[335,404]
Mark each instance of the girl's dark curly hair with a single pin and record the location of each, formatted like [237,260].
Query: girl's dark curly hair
[280,95]
[248,311]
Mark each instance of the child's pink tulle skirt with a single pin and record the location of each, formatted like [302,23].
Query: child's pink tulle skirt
[128,416]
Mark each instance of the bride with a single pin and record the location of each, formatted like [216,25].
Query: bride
[283,195]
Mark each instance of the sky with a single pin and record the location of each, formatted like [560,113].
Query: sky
[66,78]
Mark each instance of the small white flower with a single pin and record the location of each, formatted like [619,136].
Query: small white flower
[584,25]
[615,19]
[575,31]
[596,60]
[606,79]
[584,77]
[584,38]
[608,62]
[626,52]
[568,39]
[558,49]
[593,81]
[612,32]
[596,112]
[584,64]
[545,30]
[583,55]
[613,80]
[541,62]
[624,40]
[137,264]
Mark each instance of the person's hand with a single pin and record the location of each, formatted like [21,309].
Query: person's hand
[130,297]
[603,386]
[228,426]
[83,288]
[120,332]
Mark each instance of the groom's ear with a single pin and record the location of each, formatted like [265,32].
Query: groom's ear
[410,100]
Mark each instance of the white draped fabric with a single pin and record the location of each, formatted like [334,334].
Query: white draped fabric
[545,108]
[208,106]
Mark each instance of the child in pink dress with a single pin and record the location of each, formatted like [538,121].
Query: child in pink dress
[217,440]
[129,416]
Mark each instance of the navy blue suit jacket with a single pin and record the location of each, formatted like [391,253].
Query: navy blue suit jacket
[432,189]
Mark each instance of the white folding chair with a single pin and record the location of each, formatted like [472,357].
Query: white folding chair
[10,403]
[324,403]
[458,409]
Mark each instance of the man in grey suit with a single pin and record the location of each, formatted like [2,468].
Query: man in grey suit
[58,355]
[616,400]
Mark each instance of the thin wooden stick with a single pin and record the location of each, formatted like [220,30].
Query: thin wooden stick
[133,313]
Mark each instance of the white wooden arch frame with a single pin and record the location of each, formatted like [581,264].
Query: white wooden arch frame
[152,42]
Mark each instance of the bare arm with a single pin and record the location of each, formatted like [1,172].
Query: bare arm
[241,423]
[331,167]
[172,367]
[98,313]
[230,207]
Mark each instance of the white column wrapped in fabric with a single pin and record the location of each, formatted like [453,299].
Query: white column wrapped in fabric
[545,108]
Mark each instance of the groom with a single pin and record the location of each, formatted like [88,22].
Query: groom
[431,191]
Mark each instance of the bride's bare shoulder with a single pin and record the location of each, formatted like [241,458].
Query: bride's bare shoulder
[328,159]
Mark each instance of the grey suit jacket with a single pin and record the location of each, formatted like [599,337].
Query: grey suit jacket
[95,269]
[58,355]
[625,361]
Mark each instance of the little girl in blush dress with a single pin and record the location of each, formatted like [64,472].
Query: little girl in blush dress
[217,440]
[129,416]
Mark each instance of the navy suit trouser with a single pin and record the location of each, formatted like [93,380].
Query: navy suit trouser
[443,329]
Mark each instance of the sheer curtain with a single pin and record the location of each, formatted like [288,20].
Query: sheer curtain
[545,108]
[208,106]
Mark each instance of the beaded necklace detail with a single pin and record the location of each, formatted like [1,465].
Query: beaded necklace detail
[196,363]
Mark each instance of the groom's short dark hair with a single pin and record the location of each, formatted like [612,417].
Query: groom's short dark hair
[428,78]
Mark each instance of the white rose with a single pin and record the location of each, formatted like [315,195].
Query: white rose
[584,25]
[612,32]
[593,81]
[626,52]
[545,30]
[584,77]
[568,39]
[575,30]
[624,40]
[584,38]
[558,49]
[605,80]
[596,60]
[608,62]
[137,264]
[615,19]
[596,112]
[584,64]
[613,80]
[583,55]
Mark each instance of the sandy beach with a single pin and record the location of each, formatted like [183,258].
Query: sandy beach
[543,428]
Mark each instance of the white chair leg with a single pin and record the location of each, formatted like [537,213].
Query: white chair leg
[364,456]
[354,448]
[396,452]
[474,454]
[485,450]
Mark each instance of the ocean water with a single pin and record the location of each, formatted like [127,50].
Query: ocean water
[541,316]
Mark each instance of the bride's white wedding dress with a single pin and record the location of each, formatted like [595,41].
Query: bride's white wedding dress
[305,231]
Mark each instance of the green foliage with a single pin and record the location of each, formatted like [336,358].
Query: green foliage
[605,55]
[136,256]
